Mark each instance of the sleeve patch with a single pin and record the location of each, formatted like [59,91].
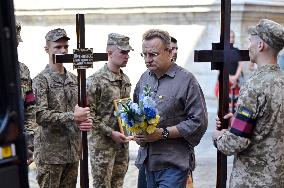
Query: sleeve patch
[245,112]
[30,98]
[242,124]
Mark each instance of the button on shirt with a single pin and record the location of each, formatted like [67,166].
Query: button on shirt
[180,103]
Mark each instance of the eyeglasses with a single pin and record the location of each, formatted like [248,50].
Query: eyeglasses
[149,54]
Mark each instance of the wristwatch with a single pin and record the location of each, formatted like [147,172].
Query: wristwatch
[165,133]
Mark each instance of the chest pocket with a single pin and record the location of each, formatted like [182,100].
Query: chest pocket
[168,106]
[110,91]
[125,90]
[118,90]
[71,92]
[62,94]
[56,94]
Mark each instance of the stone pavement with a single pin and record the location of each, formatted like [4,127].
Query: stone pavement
[204,175]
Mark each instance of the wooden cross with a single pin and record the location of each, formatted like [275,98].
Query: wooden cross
[220,57]
[82,58]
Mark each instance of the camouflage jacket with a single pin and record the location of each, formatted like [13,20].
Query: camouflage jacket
[103,87]
[29,103]
[257,132]
[57,138]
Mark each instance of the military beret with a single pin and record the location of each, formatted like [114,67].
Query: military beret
[121,41]
[56,34]
[270,32]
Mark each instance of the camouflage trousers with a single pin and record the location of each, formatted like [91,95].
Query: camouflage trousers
[109,166]
[57,175]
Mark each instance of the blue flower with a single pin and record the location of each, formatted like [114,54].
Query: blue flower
[130,123]
[148,102]
[138,117]
[135,108]
[124,117]
[150,112]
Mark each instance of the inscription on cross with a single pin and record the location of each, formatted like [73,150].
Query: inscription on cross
[220,57]
[82,58]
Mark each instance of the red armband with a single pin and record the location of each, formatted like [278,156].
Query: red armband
[243,124]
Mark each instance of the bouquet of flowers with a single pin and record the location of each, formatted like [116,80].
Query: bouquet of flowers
[142,117]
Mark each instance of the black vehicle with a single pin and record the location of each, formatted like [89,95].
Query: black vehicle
[13,159]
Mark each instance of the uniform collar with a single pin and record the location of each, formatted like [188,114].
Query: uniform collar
[269,67]
[57,77]
[112,76]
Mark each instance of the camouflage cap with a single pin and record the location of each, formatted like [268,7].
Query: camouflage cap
[56,34]
[270,32]
[121,41]
[18,32]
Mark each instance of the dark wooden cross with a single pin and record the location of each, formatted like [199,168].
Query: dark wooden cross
[82,58]
[220,57]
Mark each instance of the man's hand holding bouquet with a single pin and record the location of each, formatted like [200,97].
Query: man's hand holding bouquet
[142,118]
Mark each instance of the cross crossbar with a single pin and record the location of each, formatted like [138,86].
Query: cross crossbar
[68,58]
[83,59]
[215,56]
[220,57]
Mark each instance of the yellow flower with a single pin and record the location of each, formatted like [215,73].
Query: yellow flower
[134,129]
[154,120]
[151,128]
[143,126]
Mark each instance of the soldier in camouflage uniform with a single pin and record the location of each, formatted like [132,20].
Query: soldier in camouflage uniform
[257,129]
[108,147]
[60,120]
[29,99]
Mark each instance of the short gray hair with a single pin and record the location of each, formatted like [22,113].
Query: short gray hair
[157,33]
